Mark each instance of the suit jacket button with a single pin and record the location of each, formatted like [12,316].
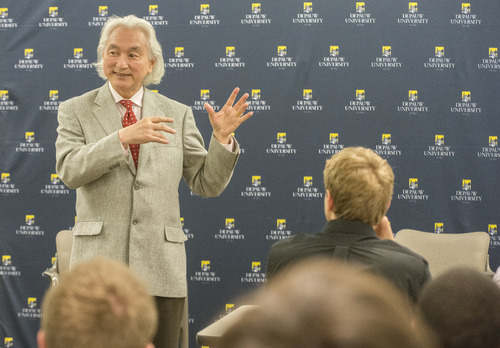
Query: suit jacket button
[136,187]
[134,222]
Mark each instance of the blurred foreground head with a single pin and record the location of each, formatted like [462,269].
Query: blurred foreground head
[99,304]
[463,307]
[322,303]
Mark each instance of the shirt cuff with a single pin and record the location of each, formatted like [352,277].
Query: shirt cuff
[229,147]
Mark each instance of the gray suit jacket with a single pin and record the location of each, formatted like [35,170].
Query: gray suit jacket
[133,215]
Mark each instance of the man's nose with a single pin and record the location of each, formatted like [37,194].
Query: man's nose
[122,61]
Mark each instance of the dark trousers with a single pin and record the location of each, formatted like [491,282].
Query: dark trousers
[170,311]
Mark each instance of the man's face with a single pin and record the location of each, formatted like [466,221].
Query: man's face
[126,60]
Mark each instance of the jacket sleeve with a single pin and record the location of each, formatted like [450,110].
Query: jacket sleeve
[207,173]
[80,160]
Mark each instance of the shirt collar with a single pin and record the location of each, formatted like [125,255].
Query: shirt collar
[136,98]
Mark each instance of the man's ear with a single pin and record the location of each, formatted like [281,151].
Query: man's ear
[330,203]
[40,338]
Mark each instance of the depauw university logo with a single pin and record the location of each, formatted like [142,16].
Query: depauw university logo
[256,8]
[78,53]
[466,9]
[32,302]
[493,52]
[466,96]
[492,229]
[413,7]
[334,51]
[205,265]
[54,179]
[281,224]
[438,227]
[153,10]
[281,138]
[29,53]
[204,94]
[466,184]
[386,139]
[360,94]
[179,52]
[256,94]
[53,11]
[29,137]
[204,9]
[256,181]
[256,266]
[334,138]
[30,220]
[307,94]
[5,178]
[103,11]
[386,51]
[439,139]
[53,95]
[230,223]
[230,51]
[493,141]
[308,181]
[412,95]
[360,7]
[281,51]
[6,260]
[413,183]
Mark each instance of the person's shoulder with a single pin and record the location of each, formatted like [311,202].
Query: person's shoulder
[82,98]
[401,250]
[164,100]
[292,242]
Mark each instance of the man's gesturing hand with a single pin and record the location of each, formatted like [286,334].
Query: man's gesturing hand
[229,117]
[146,130]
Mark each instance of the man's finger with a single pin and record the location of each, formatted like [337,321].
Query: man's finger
[232,97]
[209,109]
[241,101]
[158,119]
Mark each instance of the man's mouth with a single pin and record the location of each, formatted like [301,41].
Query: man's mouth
[121,74]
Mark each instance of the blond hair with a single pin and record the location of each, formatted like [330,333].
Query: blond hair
[361,184]
[155,51]
[99,304]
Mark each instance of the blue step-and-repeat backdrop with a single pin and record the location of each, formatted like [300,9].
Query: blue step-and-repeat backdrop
[418,82]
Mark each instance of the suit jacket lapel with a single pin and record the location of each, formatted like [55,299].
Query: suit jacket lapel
[149,108]
[106,114]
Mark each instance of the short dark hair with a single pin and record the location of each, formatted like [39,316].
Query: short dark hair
[463,307]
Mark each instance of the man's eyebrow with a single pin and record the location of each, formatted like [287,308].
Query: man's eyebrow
[133,48]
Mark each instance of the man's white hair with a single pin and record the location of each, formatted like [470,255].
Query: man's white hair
[155,51]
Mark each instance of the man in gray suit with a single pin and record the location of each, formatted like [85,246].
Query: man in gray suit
[130,211]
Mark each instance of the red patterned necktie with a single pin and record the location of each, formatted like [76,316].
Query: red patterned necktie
[128,120]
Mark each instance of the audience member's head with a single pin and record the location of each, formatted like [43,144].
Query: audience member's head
[360,183]
[99,304]
[463,307]
[322,303]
